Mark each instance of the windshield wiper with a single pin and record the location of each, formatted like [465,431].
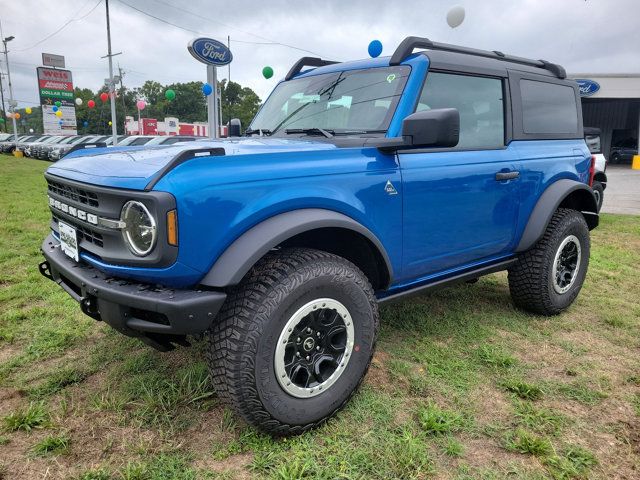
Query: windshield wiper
[259,131]
[311,131]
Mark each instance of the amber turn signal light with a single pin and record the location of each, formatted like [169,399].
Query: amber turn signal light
[172,228]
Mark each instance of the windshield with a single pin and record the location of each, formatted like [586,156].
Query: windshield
[354,101]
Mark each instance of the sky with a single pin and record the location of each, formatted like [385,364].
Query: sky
[585,36]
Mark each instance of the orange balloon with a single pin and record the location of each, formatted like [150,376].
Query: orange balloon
[17,116]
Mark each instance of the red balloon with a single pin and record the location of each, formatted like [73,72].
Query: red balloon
[104,97]
[91,104]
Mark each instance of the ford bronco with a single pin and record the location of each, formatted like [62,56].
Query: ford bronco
[357,184]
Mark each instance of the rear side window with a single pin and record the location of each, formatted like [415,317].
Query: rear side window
[548,108]
[479,100]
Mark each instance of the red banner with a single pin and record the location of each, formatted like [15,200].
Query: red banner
[55,85]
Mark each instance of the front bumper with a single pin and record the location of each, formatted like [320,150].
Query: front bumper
[159,316]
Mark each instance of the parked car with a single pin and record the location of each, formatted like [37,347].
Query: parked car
[592,139]
[359,183]
[169,140]
[135,140]
[42,150]
[59,151]
[9,145]
[26,147]
[624,151]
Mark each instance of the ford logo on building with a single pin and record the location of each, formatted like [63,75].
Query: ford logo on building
[587,87]
[210,51]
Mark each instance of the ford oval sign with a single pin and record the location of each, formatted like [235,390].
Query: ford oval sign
[210,51]
[587,87]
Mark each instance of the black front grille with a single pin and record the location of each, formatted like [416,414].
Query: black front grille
[84,233]
[73,193]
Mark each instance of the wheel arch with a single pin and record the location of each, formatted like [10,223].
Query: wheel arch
[563,193]
[325,230]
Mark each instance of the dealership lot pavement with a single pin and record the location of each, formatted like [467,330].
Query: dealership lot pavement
[623,191]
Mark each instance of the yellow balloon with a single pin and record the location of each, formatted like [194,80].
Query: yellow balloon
[59,113]
[28,110]
[17,116]
[110,123]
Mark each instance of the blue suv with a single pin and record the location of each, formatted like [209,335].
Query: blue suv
[357,184]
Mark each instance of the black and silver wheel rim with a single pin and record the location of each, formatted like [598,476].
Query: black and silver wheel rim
[314,348]
[566,264]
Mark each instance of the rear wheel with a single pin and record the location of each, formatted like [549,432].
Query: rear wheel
[547,278]
[294,340]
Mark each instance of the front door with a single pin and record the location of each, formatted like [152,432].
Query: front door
[460,204]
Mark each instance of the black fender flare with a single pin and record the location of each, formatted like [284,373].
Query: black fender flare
[579,195]
[251,246]
[602,178]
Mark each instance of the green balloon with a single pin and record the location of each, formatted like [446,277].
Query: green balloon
[170,94]
[58,104]
[1,120]
[267,72]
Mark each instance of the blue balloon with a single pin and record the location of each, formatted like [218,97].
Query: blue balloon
[375,48]
[60,122]
[85,124]
[55,109]
[207,89]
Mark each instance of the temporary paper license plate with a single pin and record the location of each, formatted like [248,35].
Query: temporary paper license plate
[68,240]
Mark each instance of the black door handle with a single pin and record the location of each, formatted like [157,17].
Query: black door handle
[502,176]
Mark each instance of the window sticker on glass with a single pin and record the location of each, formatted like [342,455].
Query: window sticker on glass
[391,77]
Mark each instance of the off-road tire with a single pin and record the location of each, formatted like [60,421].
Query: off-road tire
[598,191]
[531,279]
[242,341]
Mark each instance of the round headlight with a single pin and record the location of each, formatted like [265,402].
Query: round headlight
[140,229]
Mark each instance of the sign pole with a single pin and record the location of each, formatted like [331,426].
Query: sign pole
[12,103]
[212,102]
[112,93]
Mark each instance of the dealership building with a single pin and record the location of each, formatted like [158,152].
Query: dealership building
[611,102]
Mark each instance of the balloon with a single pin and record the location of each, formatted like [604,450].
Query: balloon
[78,101]
[267,72]
[110,123]
[141,104]
[207,89]
[59,113]
[85,124]
[58,104]
[1,120]
[60,122]
[54,108]
[91,104]
[455,16]
[375,48]
[16,116]
[31,130]
[170,94]
[104,97]
[28,110]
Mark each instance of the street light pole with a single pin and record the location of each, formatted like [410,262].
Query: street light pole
[4,111]
[114,125]
[12,103]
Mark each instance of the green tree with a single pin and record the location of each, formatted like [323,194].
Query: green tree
[238,102]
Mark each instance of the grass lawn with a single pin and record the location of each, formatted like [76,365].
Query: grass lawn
[462,386]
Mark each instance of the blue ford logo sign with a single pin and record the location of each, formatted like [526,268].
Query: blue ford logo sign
[587,87]
[210,51]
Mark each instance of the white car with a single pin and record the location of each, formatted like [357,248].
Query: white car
[592,138]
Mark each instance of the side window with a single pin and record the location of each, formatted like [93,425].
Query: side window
[479,101]
[548,108]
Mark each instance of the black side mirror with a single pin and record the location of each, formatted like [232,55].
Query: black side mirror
[430,128]
[235,127]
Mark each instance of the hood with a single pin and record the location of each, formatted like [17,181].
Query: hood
[135,167]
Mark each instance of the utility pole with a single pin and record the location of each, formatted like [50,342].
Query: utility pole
[124,105]
[4,112]
[12,102]
[111,82]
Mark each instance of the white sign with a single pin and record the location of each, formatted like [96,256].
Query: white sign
[51,122]
[51,60]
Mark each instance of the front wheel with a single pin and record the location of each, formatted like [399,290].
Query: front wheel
[294,340]
[547,278]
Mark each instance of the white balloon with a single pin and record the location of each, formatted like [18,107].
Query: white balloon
[455,16]
[31,130]
[78,101]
